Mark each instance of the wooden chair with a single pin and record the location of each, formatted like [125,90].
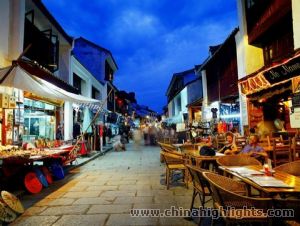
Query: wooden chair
[265,142]
[173,162]
[296,148]
[200,186]
[292,168]
[282,151]
[169,148]
[229,194]
[237,160]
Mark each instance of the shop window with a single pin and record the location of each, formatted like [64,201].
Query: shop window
[109,73]
[44,44]
[178,104]
[173,108]
[96,93]
[77,82]
[278,48]
[39,120]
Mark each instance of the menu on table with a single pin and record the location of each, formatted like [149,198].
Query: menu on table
[244,171]
[267,181]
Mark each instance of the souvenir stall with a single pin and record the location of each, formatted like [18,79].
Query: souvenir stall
[31,109]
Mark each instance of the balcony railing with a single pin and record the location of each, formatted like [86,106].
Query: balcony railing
[44,46]
[263,14]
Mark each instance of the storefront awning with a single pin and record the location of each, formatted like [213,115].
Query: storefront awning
[21,79]
[272,76]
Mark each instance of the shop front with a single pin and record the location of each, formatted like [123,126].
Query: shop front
[194,112]
[33,104]
[271,98]
[230,116]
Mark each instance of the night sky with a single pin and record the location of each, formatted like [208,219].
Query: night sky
[149,39]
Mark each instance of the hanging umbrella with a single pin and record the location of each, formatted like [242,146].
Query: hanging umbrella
[87,120]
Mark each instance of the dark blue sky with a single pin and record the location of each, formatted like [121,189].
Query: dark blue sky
[149,39]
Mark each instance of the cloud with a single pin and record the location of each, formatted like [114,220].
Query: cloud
[174,51]
[133,26]
[150,40]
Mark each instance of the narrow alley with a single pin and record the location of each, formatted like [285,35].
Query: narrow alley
[103,191]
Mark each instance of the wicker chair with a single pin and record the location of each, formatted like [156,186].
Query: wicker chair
[237,160]
[173,162]
[200,186]
[228,195]
[292,168]
[169,148]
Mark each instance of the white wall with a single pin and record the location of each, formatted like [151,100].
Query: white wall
[296,22]
[205,96]
[87,77]
[64,62]
[11,30]
[4,33]
[88,80]
[170,105]
[80,71]
[16,37]
[184,100]
[179,110]
[68,121]
[249,58]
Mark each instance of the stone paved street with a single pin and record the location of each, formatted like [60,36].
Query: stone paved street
[103,191]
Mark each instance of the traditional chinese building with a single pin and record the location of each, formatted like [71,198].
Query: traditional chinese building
[220,84]
[269,64]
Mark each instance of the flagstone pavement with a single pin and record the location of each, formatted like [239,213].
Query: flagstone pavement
[103,191]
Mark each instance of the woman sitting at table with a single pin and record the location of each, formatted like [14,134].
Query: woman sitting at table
[253,149]
[229,148]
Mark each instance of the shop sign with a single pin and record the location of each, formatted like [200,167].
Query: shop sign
[254,84]
[284,71]
[296,84]
[295,118]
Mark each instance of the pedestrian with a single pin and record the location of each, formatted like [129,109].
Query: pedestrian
[253,149]
[230,147]
[137,137]
[109,134]
[76,130]
[146,135]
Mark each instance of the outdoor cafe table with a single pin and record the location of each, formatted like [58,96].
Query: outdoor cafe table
[292,182]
